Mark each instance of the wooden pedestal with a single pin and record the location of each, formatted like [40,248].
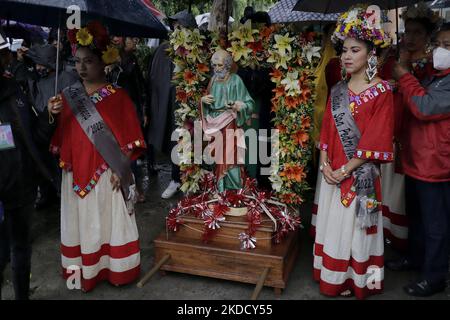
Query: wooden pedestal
[222,257]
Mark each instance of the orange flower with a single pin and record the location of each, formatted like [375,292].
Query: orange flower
[189,77]
[291,102]
[279,91]
[306,122]
[305,95]
[281,128]
[275,104]
[202,67]
[293,172]
[276,75]
[290,198]
[266,32]
[181,95]
[300,137]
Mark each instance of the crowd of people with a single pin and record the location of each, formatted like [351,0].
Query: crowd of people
[383,138]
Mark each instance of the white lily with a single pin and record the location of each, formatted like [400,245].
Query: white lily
[283,44]
[291,84]
[309,52]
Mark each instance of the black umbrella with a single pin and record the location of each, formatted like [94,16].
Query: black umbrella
[332,6]
[28,32]
[123,17]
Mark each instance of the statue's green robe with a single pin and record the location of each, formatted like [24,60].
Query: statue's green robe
[225,92]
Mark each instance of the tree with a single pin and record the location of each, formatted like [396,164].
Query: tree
[220,11]
[170,7]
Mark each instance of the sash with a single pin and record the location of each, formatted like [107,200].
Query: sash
[100,135]
[364,186]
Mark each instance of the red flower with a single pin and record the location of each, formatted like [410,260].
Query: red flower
[255,46]
[189,77]
[100,34]
[201,67]
[309,36]
[72,36]
[181,95]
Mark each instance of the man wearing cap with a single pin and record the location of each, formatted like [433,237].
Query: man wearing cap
[40,91]
[162,100]
[20,132]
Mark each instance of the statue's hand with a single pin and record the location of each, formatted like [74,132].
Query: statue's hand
[237,106]
[209,99]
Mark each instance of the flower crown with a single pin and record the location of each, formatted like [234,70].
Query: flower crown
[421,11]
[94,36]
[358,23]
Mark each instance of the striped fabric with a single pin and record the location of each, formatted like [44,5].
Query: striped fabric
[346,257]
[98,235]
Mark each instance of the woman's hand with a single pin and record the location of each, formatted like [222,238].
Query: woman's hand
[209,99]
[339,176]
[328,175]
[54,105]
[115,181]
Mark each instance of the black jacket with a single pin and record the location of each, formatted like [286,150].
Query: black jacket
[19,166]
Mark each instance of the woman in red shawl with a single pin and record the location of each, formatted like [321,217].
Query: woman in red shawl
[356,135]
[98,228]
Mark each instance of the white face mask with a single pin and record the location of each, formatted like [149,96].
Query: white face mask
[441,59]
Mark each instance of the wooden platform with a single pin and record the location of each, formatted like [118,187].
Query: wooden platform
[222,257]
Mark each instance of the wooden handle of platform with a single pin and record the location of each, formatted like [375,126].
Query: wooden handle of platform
[153,271]
[260,284]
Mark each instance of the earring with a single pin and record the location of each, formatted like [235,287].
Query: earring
[343,73]
[428,49]
[371,70]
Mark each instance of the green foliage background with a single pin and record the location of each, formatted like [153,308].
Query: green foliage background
[170,7]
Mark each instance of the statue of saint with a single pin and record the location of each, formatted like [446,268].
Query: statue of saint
[225,110]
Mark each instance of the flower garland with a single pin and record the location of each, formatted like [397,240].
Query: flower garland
[190,51]
[291,57]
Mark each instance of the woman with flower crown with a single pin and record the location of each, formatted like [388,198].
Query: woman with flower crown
[356,136]
[97,136]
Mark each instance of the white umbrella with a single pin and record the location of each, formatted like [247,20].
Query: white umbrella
[204,18]
[282,12]
[440,4]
